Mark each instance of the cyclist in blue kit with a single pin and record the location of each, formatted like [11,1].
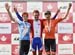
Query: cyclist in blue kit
[24,31]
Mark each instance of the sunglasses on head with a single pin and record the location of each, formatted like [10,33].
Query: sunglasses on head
[47,13]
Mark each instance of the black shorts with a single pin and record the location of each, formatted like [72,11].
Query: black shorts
[50,44]
[24,47]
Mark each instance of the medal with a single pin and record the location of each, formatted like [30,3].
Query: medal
[36,31]
[49,28]
[25,29]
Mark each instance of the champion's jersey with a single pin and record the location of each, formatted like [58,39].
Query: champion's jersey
[37,28]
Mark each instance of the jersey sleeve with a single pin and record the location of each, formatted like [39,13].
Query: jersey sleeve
[31,22]
[59,20]
[18,16]
[31,28]
[43,23]
[54,16]
[18,21]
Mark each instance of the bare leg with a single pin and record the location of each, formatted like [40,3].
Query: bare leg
[53,53]
[48,53]
[34,53]
[40,52]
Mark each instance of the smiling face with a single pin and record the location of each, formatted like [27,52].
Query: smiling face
[25,16]
[48,14]
[36,14]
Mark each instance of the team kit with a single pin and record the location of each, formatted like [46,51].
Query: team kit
[36,28]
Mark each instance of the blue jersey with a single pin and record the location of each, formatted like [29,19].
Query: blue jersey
[24,30]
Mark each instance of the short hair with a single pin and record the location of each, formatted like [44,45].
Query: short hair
[36,11]
[24,13]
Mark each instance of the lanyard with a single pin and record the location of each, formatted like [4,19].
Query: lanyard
[49,25]
[25,24]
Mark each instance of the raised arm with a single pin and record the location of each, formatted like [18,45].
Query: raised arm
[7,8]
[68,11]
[59,20]
[56,14]
[18,15]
